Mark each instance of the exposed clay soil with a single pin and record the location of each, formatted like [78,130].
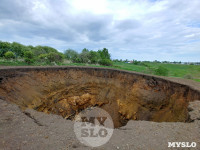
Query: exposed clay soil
[28,92]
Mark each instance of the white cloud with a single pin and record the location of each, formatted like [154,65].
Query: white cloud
[95,7]
[132,29]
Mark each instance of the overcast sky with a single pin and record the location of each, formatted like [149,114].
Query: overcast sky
[132,29]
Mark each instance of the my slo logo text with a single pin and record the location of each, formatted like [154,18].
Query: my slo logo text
[182,144]
[93,127]
[85,132]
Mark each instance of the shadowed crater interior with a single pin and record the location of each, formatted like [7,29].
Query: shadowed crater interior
[124,95]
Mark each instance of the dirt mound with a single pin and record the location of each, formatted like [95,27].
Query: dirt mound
[124,95]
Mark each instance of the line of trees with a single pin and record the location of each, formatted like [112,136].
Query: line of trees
[48,55]
[101,57]
[29,54]
[136,62]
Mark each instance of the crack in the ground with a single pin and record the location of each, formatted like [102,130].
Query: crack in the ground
[34,120]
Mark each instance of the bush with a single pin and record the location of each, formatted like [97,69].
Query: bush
[9,55]
[162,71]
[42,57]
[94,57]
[28,57]
[4,47]
[28,54]
[104,54]
[42,50]
[54,57]
[188,76]
[84,56]
[105,62]
[18,49]
[70,54]
[135,62]
[28,60]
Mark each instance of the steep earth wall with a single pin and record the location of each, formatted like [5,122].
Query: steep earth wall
[125,95]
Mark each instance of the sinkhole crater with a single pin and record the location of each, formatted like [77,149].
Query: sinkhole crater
[124,95]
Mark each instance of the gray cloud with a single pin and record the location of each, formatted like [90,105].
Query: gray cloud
[145,29]
[127,24]
[13,10]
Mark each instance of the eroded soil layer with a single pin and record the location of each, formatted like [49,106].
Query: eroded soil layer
[125,95]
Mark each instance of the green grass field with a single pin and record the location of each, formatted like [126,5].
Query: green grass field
[174,70]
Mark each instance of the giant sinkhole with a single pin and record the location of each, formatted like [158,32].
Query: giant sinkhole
[124,95]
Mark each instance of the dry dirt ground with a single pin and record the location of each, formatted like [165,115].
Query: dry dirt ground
[32,130]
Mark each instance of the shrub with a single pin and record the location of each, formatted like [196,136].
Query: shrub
[162,71]
[42,50]
[94,57]
[28,57]
[135,62]
[54,57]
[18,49]
[9,55]
[188,76]
[70,54]
[104,54]
[105,62]
[28,54]
[42,57]
[28,60]
[4,47]
[84,56]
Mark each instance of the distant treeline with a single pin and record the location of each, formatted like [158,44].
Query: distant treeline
[101,57]
[46,54]
[136,62]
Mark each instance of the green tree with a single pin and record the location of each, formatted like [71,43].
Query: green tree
[28,54]
[84,56]
[104,54]
[72,55]
[4,47]
[105,62]
[105,57]
[94,57]
[49,49]
[28,57]
[43,50]
[18,49]
[55,57]
[9,55]
[85,50]
[43,57]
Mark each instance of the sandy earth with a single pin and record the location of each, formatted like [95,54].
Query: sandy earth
[22,130]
